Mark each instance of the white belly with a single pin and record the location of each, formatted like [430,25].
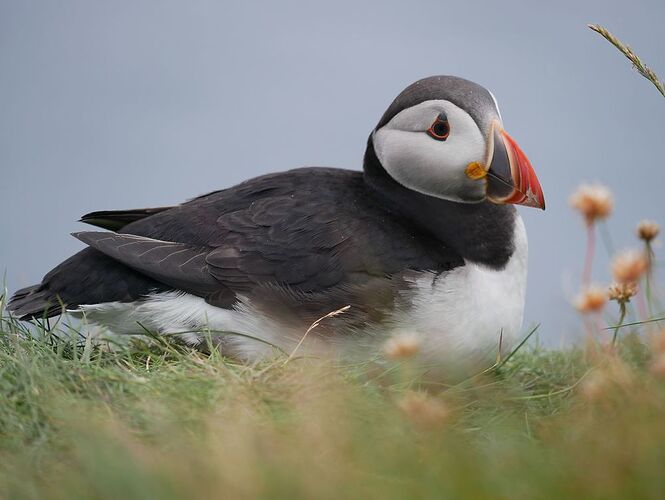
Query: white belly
[462,316]
[466,316]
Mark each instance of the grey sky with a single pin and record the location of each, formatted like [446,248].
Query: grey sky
[128,104]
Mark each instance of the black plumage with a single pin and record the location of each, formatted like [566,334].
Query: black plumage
[308,229]
[313,238]
[117,219]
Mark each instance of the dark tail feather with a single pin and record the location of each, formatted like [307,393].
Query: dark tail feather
[34,302]
[115,220]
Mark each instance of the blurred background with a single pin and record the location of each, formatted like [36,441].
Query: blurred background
[111,105]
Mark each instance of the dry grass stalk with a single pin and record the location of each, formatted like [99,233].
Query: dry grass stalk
[316,323]
[641,68]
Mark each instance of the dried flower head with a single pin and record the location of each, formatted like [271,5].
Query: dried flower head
[629,267]
[648,230]
[423,410]
[592,299]
[622,292]
[594,202]
[402,346]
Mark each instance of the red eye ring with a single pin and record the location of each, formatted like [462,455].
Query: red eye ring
[440,129]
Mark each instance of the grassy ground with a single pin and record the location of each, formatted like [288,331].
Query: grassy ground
[164,422]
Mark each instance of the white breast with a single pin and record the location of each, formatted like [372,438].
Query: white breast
[459,316]
[467,313]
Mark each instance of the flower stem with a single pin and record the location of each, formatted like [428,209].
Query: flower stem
[622,316]
[590,248]
[650,256]
[638,64]
[607,238]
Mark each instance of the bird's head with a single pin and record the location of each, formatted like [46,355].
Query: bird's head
[443,137]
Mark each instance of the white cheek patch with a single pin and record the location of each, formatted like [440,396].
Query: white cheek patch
[436,168]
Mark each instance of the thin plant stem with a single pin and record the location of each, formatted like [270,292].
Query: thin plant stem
[642,306]
[638,64]
[636,323]
[650,256]
[622,316]
[313,326]
[607,238]
[589,323]
[590,249]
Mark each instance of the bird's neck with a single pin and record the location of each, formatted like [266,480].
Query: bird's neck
[478,232]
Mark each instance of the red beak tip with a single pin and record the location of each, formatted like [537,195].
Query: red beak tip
[529,192]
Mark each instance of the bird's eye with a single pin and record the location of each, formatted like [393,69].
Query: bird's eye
[440,129]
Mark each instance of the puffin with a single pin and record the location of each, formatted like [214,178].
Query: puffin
[425,240]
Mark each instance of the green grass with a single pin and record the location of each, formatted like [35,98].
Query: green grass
[161,421]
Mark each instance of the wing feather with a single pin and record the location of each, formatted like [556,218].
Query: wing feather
[309,232]
[114,220]
[175,264]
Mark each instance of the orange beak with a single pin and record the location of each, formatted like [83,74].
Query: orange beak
[510,177]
